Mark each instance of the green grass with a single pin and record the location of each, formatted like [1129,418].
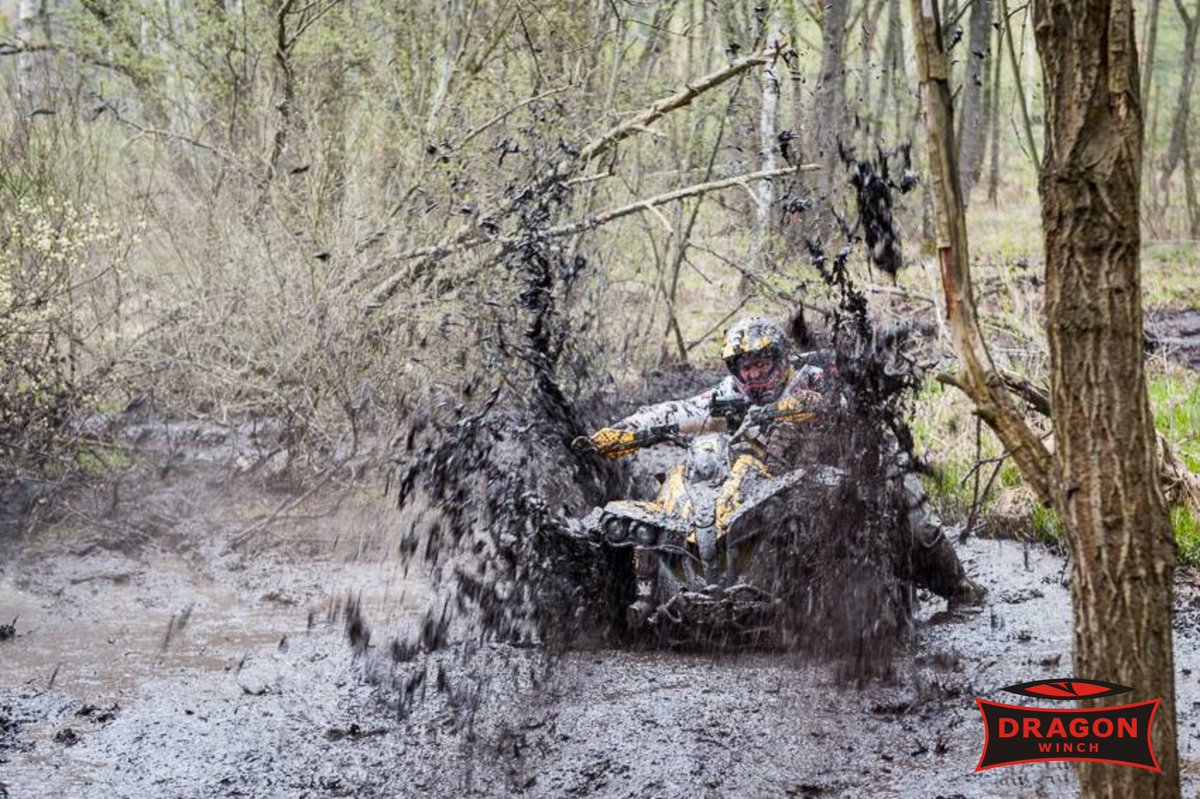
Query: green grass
[1187,535]
[945,433]
[1175,398]
[1170,275]
[99,461]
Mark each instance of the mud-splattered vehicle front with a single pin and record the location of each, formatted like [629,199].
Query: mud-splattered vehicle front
[703,552]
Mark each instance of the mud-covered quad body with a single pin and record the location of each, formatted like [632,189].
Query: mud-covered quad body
[703,551]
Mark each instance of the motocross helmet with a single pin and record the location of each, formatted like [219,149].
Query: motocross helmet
[756,352]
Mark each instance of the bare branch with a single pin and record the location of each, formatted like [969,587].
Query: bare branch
[434,253]
[642,120]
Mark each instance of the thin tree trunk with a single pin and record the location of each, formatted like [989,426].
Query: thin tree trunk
[31,72]
[829,102]
[1189,189]
[765,191]
[977,375]
[973,140]
[1026,123]
[1107,490]
[1191,26]
[997,74]
[1148,48]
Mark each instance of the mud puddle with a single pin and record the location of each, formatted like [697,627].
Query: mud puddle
[152,658]
[1176,334]
[232,708]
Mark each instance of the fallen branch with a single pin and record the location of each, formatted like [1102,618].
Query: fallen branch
[435,252]
[1180,484]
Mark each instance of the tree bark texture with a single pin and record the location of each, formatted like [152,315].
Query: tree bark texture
[1106,488]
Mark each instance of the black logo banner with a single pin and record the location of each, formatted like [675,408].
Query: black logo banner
[1017,734]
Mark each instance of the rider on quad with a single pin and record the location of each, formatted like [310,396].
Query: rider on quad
[764,371]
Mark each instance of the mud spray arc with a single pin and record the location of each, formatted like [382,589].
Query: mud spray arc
[486,476]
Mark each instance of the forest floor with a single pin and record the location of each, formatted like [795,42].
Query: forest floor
[181,634]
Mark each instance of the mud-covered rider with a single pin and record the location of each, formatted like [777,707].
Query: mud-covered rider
[764,373]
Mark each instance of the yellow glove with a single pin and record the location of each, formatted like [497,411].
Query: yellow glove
[613,443]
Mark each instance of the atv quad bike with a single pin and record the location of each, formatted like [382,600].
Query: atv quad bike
[703,551]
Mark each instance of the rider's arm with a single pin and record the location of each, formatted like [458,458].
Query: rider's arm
[690,416]
[653,423]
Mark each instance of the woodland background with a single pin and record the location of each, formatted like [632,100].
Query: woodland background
[297,210]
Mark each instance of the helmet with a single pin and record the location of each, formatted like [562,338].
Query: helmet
[747,344]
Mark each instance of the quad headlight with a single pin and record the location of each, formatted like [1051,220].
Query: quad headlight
[645,534]
[616,529]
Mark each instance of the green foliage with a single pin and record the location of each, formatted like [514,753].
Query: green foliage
[1045,525]
[1187,535]
[1175,398]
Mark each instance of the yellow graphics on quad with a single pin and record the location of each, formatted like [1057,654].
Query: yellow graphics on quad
[733,494]
[673,497]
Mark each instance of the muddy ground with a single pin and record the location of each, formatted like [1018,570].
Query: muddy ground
[182,636]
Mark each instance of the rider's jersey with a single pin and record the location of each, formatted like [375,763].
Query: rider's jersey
[721,407]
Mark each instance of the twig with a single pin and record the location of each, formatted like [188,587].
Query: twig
[977,506]
[902,293]
[500,117]
[247,533]
[1037,399]
[642,120]
[638,123]
[717,326]
[388,287]
[612,214]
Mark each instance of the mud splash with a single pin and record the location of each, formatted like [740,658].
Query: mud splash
[486,480]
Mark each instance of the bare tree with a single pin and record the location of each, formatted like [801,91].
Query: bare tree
[768,113]
[1148,48]
[1103,478]
[829,101]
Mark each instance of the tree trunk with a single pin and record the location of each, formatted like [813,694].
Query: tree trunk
[1106,489]
[977,375]
[765,193]
[829,102]
[1148,54]
[1024,100]
[994,118]
[1189,189]
[1191,26]
[973,139]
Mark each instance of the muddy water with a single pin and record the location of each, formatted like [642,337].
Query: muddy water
[1176,334]
[226,706]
